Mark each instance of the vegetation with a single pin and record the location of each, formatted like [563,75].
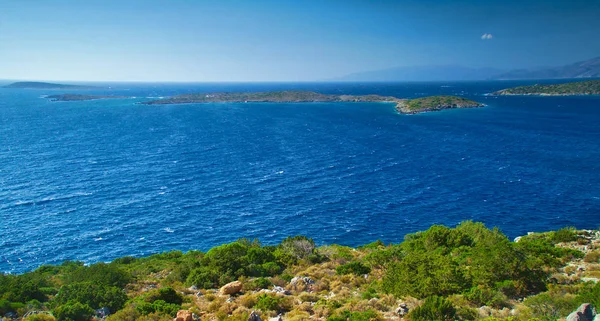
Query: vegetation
[411,106]
[439,274]
[434,103]
[590,87]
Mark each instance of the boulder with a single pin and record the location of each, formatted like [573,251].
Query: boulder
[184,315]
[254,317]
[231,288]
[584,312]
[277,318]
[304,279]
[402,310]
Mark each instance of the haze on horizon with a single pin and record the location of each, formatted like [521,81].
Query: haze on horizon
[179,40]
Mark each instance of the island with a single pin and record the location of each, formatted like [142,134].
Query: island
[75,97]
[405,106]
[45,85]
[590,87]
[465,272]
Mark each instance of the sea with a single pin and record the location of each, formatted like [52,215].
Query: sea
[97,180]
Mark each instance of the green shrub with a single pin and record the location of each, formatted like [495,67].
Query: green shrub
[346,315]
[73,311]
[565,234]
[257,284]
[267,302]
[551,305]
[40,317]
[434,308]
[93,295]
[166,294]
[481,295]
[353,268]
[101,274]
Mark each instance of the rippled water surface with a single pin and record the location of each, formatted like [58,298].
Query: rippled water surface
[97,180]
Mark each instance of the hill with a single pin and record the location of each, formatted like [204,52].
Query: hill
[468,272]
[582,69]
[422,73]
[45,85]
[590,87]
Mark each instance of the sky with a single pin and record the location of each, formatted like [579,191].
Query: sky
[284,40]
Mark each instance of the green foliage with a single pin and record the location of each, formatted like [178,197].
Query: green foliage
[257,284]
[93,295]
[434,308]
[158,306]
[590,87]
[73,311]
[40,317]
[566,234]
[356,268]
[100,273]
[297,248]
[590,294]
[267,302]
[552,305]
[346,315]
[166,294]
[481,295]
[228,262]
[443,261]
[439,102]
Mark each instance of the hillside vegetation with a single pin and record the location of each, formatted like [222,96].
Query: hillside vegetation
[591,87]
[468,272]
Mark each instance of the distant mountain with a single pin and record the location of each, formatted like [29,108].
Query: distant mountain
[583,69]
[423,73]
[45,85]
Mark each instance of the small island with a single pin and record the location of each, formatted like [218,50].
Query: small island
[405,106]
[434,103]
[75,97]
[45,85]
[590,87]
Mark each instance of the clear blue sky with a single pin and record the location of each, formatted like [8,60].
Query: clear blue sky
[229,40]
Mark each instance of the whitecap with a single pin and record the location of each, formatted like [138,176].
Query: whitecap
[168,230]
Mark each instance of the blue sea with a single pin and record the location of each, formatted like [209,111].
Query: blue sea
[97,180]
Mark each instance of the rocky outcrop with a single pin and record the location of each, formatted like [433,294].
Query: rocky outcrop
[184,315]
[585,312]
[254,317]
[231,288]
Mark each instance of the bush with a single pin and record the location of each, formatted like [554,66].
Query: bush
[73,311]
[346,315]
[592,257]
[565,234]
[485,296]
[93,295]
[257,284]
[267,302]
[353,268]
[40,317]
[166,294]
[434,308]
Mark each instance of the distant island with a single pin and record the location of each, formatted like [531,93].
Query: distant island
[75,97]
[590,87]
[406,106]
[45,85]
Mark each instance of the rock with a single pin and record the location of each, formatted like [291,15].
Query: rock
[597,317]
[193,288]
[278,289]
[102,313]
[231,288]
[517,239]
[304,279]
[277,318]
[402,310]
[584,312]
[254,317]
[184,315]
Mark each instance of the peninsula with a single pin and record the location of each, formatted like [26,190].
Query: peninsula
[45,85]
[590,87]
[406,106]
[75,97]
